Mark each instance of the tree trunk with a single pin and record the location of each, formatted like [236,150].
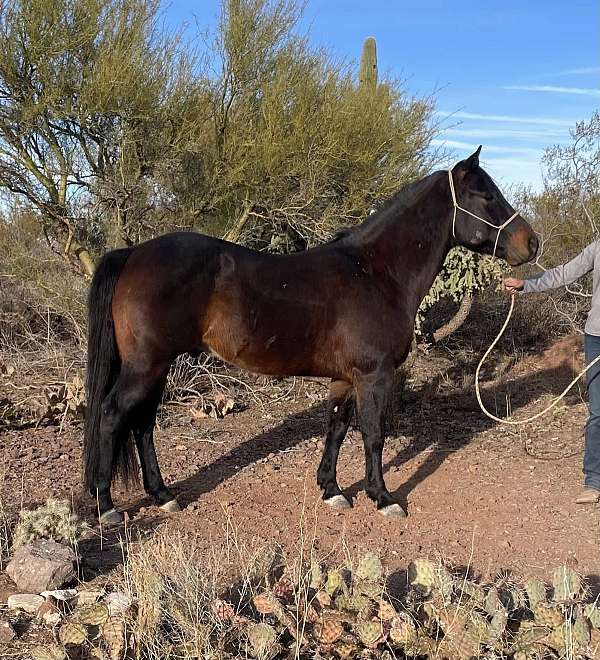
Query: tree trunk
[85,258]
[233,233]
[456,321]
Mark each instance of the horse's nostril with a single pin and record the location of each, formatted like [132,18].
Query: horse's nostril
[533,245]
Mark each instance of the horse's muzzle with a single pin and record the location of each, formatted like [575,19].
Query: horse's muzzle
[522,246]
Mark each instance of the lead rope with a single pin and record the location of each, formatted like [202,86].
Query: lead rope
[519,422]
[486,412]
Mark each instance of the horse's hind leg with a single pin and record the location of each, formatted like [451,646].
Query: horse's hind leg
[143,431]
[129,391]
[340,409]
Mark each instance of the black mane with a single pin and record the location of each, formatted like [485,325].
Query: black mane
[390,208]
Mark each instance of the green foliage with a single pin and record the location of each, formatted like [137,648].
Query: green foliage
[113,131]
[54,521]
[89,89]
[463,273]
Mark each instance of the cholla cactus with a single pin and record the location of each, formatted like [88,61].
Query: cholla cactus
[463,274]
[54,521]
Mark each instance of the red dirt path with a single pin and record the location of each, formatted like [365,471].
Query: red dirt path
[477,493]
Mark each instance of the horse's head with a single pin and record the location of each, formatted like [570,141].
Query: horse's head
[475,193]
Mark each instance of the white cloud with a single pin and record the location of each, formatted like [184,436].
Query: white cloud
[582,91]
[542,121]
[578,72]
[545,136]
[457,144]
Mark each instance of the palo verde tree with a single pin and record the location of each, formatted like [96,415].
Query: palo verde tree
[292,147]
[91,94]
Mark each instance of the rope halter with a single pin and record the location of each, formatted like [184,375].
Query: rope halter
[457,207]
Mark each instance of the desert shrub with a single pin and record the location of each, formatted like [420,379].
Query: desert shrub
[54,520]
[41,298]
[195,603]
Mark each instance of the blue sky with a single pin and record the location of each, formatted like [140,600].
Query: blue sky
[513,75]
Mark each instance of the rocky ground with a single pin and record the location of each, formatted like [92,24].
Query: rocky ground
[477,493]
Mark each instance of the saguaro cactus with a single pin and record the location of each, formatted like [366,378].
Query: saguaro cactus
[367,75]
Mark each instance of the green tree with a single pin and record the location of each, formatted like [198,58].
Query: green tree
[87,90]
[291,149]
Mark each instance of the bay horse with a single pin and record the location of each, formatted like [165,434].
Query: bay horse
[344,310]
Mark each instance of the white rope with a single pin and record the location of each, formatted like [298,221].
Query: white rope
[519,422]
[510,422]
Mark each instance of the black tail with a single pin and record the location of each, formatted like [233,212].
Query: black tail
[103,366]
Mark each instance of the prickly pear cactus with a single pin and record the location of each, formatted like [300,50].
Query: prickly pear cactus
[72,634]
[472,590]
[548,615]
[402,630]
[317,575]
[54,520]
[113,633]
[92,615]
[335,581]
[526,638]
[328,630]
[370,633]
[266,603]
[581,632]
[351,603]
[52,652]
[428,575]
[262,639]
[536,592]
[369,568]
[567,584]
[368,588]
[592,612]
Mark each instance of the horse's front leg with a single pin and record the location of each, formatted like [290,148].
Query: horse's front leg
[372,395]
[340,409]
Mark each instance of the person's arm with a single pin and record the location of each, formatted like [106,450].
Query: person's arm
[562,275]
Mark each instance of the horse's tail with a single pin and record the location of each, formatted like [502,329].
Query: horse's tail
[103,366]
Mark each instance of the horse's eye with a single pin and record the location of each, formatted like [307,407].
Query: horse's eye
[488,197]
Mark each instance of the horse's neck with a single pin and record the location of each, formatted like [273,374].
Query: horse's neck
[409,247]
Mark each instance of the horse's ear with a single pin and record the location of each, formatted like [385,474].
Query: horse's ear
[467,165]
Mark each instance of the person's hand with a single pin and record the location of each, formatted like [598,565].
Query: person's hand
[512,285]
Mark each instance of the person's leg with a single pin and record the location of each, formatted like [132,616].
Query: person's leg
[591,458]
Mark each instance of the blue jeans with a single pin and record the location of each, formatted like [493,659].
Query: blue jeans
[591,457]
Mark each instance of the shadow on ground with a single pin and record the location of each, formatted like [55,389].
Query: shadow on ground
[418,407]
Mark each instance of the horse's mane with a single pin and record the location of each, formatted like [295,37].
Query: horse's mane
[405,198]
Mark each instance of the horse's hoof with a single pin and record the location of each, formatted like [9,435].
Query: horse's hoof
[111,517]
[172,506]
[393,511]
[338,502]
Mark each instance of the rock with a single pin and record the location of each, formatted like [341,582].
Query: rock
[7,632]
[118,603]
[60,594]
[7,588]
[48,613]
[42,566]
[26,602]
[89,597]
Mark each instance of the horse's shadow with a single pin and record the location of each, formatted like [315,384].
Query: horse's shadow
[526,389]
[311,422]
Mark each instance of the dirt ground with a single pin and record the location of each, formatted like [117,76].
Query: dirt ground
[479,494]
